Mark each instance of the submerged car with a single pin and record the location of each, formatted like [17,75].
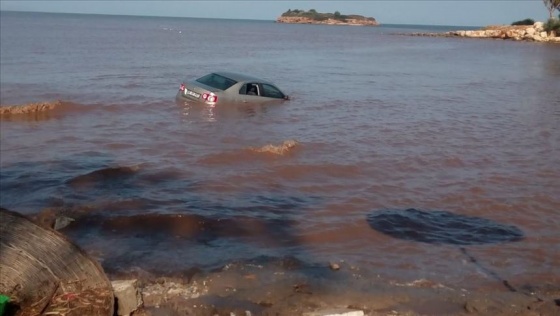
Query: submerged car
[229,87]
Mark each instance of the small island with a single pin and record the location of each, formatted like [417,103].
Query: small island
[314,17]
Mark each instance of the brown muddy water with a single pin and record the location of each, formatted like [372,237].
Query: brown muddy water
[409,158]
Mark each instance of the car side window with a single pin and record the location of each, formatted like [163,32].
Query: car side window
[271,91]
[249,89]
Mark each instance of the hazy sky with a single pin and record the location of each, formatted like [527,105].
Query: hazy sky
[436,12]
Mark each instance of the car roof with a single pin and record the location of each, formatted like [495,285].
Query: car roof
[240,77]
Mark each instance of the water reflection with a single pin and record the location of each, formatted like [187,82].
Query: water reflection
[551,62]
[194,112]
[197,112]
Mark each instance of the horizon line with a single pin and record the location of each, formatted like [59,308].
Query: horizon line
[213,18]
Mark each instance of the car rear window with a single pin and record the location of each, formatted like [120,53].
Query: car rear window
[217,81]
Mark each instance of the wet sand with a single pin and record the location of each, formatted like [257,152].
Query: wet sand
[285,288]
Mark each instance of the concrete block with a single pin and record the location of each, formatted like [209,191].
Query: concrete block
[336,312]
[127,296]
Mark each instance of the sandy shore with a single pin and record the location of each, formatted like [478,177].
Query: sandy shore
[288,288]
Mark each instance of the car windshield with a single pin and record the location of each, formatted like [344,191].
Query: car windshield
[217,81]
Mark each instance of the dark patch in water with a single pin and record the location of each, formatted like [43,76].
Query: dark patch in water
[138,238]
[441,227]
[190,226]
[102,176]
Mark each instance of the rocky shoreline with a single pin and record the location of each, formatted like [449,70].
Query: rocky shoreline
[529,33]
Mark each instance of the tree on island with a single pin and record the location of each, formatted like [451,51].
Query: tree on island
[314,15]
[524,22]
[551,6]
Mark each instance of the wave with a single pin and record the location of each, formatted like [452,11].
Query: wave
[45,110]
[38,111]
[103,175]
[251,154]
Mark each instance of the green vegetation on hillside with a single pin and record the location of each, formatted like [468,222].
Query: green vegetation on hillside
[524,22]
[314,15]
